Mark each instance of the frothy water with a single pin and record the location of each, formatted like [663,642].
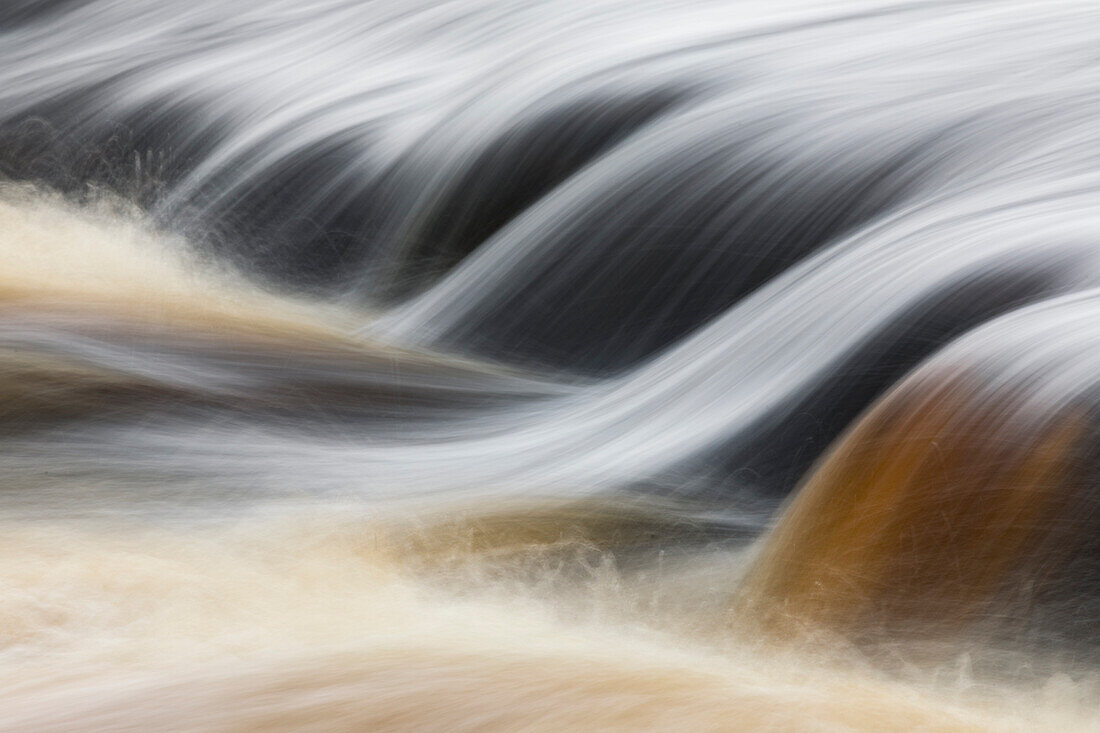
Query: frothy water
[549,365]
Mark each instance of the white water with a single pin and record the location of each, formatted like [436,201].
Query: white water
[284,286]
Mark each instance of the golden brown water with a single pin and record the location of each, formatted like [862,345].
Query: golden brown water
[545,615]
[549,365]
[923,513]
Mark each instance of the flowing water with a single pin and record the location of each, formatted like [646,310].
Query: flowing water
[549,365]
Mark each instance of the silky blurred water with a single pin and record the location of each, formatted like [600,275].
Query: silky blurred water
[549,365]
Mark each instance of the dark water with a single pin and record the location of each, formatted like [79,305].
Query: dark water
[549,365]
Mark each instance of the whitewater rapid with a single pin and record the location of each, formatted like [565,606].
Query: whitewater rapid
[609,365]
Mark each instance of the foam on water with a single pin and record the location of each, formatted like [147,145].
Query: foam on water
[549,365]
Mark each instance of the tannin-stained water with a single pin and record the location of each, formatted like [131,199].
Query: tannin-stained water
[549,366]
